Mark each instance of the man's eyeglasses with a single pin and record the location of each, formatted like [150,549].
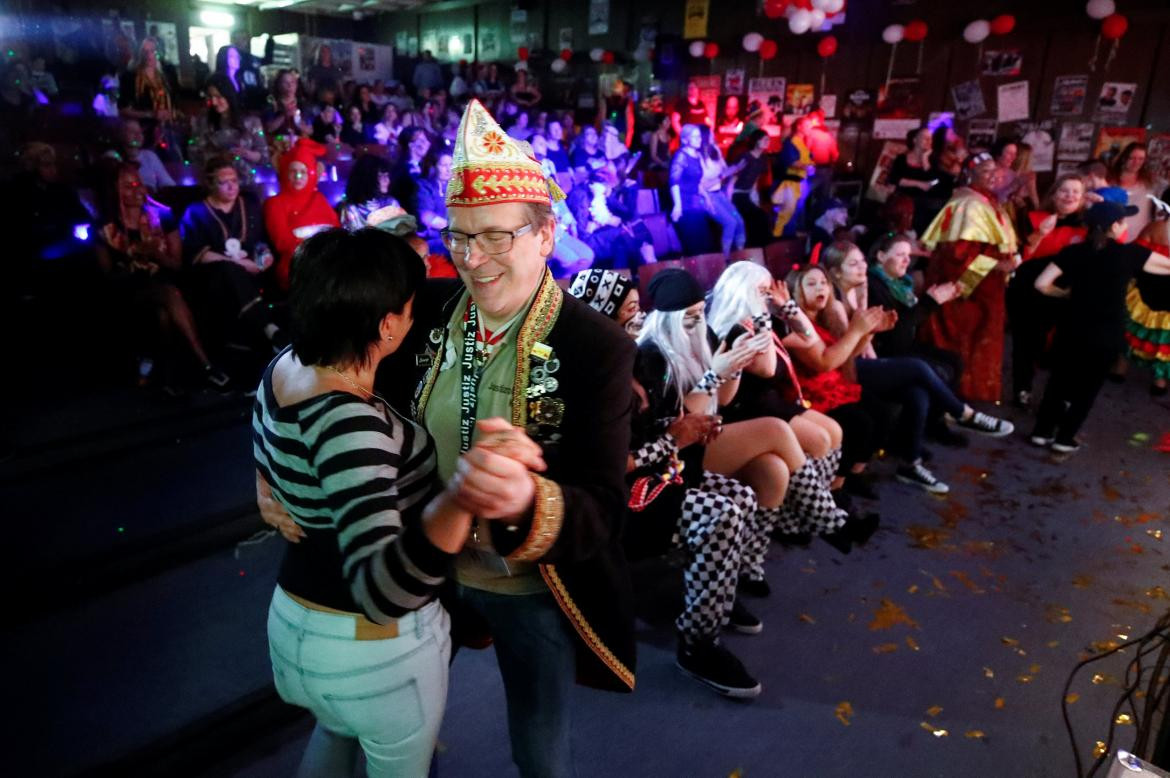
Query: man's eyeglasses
[489,241]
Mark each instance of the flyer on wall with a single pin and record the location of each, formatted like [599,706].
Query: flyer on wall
[1012,102]
[981,133]
[1114,102]
[968,97]
[879,189]
[1008,62]
[1159,155]
[1039,135]
[1076,140]
[1068,95]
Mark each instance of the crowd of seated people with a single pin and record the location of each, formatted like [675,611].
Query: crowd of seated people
[895,325]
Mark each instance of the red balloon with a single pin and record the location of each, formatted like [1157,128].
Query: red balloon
[1114,26]
[566,54]
[711,50]
[827,46]
[607,58]
[915,31]
[522,53]
[1003,24]
[768,50]
[774,9]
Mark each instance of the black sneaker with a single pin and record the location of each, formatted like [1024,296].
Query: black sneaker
[987,425]
[753,588]
[711,663]
[1066,446]
[917,474]
[742,620]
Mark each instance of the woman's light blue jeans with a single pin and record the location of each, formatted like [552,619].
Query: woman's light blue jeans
[387,696]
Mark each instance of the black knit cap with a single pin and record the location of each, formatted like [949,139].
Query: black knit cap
[674,290]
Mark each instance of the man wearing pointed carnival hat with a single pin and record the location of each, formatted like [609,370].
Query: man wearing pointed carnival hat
[547,577]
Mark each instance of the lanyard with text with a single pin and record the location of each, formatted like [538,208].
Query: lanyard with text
[469,379]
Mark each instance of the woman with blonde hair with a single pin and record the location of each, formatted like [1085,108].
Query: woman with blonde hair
[764,453]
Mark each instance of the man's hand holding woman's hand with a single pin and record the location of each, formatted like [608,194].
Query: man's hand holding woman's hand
[492,480]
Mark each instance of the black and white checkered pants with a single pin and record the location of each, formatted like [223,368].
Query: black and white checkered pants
[713,527]
[809,505]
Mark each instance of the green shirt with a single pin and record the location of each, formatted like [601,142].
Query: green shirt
[478,565]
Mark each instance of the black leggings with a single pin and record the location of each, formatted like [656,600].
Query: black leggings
[1078,373]
[1032,316]
[864,425]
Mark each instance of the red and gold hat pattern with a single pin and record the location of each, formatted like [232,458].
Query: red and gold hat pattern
[488,166]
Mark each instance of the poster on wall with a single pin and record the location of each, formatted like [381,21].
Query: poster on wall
[695,19]
[168,40]
[733,81]
[1111,141]
[901,98]
[968,97]
[1039,135]
[858,106]
[1068,95]
[1114,101]
[1159,155]
[879,189]
[1012,101]
[565,39]
[769,93]
[1008,62]
[598,17]
[981,133]
[798,99]
[518,27]
[1076,140]
[342,51]
[488,47]
[709,87]
[1067,168]
[366,59]
[828,104]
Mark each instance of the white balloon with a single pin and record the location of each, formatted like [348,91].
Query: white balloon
[801,21]
[752,41]
[977,31]
[696,48]
[833,6]
[894,33]
[596,54]
[1099,9]
[821,5]
[818,19]
[559,65]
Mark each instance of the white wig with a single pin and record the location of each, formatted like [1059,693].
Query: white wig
[687,354]
[737,297]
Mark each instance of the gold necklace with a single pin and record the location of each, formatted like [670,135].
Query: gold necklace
[358,386]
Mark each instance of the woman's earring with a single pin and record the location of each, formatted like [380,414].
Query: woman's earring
[389,337]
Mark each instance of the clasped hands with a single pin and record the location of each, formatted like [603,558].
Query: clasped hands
[491,481]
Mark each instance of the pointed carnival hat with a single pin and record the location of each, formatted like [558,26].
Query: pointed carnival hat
[489,167]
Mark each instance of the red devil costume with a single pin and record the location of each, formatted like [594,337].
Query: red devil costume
[295,214]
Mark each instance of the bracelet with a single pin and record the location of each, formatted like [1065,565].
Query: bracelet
[655,451]
[709,382]
[789,309]
[738,374]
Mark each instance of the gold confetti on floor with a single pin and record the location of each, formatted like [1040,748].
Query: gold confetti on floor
[1123,718]
[885,648]
[1137,605]
[1082,581]
[1157,593]
[911,643]
[1010,642]
[933,730]
[1053,643]
[1156,534]
[1101,646]
[1099,749]
[1070,698]
[1033,669]
[1024,678]
[926,537]
[913,589]
[974,734]
[965,579]
[1057,614]
[807,619]
[934,710]
[890,614]
[1100,678]
[844,712]
[999,703]
[988,672]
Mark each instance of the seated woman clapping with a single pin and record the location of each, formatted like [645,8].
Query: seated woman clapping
[678,362]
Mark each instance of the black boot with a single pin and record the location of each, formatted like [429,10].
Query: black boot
[861,528]
[842,539]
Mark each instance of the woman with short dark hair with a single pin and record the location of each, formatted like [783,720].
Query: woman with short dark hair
[367,191]
[356,632]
